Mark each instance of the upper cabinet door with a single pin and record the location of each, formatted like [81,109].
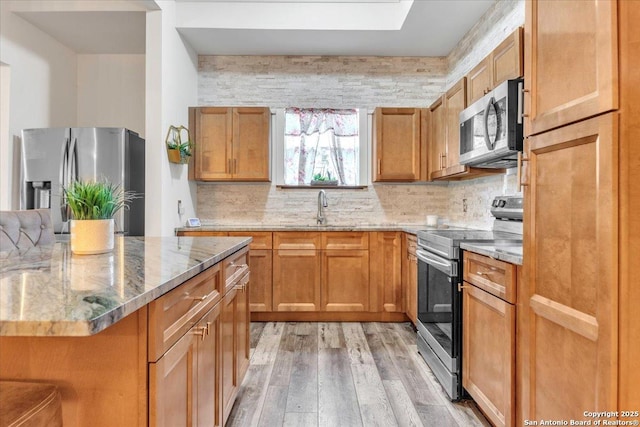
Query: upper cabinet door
[479,80]
[251,143]
[455,101]
[396,144]
[437,135]
[571,69]
[506,59]
[213,132]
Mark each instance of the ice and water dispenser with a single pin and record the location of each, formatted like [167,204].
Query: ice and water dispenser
[38,194]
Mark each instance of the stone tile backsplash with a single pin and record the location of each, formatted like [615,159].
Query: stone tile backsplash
[464,203]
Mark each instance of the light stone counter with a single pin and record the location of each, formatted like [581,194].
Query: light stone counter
[507,253]
[48,291]
[408,228]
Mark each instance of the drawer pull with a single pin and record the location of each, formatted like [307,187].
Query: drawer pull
[461,287]
[201,331]
[488,273]
[208,327]
[202,298]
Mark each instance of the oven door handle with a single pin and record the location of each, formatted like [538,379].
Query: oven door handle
[447,267]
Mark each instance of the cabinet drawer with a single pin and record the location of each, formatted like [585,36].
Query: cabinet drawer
[494,276]
[345,240]
[171,315]
[235,267]
[261,239]
[296,240]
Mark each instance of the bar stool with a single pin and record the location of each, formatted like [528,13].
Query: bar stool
[25,229]
[27,404]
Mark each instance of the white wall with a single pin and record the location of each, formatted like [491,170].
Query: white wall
[111,91]
[171,87]
[42,88]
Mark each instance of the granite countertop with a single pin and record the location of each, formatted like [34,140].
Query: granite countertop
[48,291]
[511,253]
[408,228]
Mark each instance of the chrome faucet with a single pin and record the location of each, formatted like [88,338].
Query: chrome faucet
[322,202]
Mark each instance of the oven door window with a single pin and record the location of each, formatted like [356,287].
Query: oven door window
[437,297]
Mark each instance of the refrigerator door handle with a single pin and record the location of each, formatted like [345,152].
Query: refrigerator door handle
[73,152]
[63,181]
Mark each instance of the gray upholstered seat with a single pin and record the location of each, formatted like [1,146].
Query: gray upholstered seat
[25,229]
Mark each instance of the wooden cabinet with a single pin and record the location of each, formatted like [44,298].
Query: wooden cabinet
[410,276]
[386,278]
[326,271]
[479,80]
[398,147]
[231,144]
[327,276]
[437,136]
[488,359]
[581,199]
[571,69]
[455,102]
[444,141]
[182,382]
[489,336]
[296,271]
[571,248]
[345,271]
[260,264]
[234,330]
[503,63]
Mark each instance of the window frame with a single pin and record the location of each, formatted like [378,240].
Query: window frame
[277,157]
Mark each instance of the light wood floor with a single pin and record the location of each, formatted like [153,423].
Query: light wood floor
[342,374]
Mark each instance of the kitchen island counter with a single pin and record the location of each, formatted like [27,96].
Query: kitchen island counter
[48,291]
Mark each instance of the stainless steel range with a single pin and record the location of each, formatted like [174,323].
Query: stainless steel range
[439,325]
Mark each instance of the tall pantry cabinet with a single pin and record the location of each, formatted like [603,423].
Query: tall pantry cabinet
[578,341]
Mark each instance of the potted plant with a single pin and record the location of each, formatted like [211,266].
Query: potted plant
[177,150]
[319,179]
[92,206]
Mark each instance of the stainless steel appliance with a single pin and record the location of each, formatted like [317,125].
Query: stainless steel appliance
[53,157]
[491,128]
[439,336]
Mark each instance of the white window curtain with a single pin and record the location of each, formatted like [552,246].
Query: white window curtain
[321,141]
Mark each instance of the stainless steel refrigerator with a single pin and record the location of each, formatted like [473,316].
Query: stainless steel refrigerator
[53,157]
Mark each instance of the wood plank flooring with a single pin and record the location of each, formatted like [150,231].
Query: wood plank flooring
[342,374]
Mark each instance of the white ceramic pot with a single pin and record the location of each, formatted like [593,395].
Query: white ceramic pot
[92,236]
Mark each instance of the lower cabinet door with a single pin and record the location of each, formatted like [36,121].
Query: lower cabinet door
[173,385]
[296,280]
[488,354]
[261,295]
[243,318]
[345,280]
[208,408]
[228,363]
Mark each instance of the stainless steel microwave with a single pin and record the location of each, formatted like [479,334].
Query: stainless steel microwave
[491,128]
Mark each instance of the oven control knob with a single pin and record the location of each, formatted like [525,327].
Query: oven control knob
[502,203]
[495,203]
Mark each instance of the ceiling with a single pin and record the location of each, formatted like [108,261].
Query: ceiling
[279,27]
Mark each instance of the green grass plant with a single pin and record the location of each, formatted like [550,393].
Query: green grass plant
[96,200]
